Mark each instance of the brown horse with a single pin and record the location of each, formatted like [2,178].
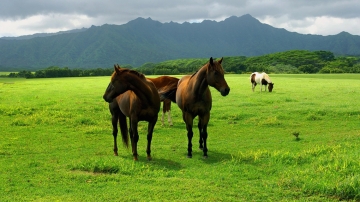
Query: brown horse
[130,94]
[161,82]
[194,98]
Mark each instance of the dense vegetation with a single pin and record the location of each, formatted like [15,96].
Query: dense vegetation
[145,40]
[293,62]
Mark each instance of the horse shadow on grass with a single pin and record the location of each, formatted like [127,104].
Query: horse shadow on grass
[213,156]
[165,163]
[160,163]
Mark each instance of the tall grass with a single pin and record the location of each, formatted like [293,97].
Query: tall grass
[56,144]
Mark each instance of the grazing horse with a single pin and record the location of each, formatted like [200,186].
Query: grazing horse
[161,82]
[262,79]
[193,97]
[130,94]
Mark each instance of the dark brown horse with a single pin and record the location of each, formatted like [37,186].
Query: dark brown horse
[130,94]
[160,83]
[194,99]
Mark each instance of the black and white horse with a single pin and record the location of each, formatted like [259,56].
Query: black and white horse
[262,79]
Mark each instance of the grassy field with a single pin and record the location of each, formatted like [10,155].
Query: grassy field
[56,144]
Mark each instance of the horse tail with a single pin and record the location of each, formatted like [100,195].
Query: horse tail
[168,93]
[124,129]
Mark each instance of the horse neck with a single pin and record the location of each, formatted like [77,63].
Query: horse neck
[140,87]
[267,78]
[199,81]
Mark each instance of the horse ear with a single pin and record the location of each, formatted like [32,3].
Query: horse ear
[211,61]
[117,69]
[220,61]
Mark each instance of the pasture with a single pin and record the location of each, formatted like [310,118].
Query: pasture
[57,145]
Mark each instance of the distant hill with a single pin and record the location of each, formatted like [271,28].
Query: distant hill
[145,40]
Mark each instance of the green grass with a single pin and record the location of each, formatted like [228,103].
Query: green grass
[56,144]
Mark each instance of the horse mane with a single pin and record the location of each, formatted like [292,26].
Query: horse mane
[266,77]
[208,64]
[194,73]
[142,76]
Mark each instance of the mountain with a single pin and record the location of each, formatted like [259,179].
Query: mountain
[145,40]
[43,34]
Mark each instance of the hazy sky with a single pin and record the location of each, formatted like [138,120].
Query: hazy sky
[323,17]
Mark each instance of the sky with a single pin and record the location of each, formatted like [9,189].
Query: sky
[320,17]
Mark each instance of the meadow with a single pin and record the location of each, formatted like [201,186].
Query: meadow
[56,144]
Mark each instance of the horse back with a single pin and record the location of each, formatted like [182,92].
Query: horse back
[163,81]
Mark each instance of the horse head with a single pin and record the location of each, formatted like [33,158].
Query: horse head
[215,77]
[271,86]
[116,85]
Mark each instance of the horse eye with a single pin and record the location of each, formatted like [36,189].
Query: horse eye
[112,85]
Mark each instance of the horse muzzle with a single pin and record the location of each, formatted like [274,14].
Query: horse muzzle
[225,91]
[107,98]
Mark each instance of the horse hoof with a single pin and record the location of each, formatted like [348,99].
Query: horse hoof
[149,158]
[116,154]
[136,158]
[189,156]
[201,148]
[205,157]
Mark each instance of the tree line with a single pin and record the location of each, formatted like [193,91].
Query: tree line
[288,62]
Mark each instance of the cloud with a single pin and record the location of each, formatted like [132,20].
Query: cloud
[19,17]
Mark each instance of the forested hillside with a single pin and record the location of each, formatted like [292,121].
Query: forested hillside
[145,40]
[292,62]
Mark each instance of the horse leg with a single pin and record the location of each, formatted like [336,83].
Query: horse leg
[265,87]
[200,138]
[189,123]
[114,120]
[134,127]
[115,117]
[253,86]
[131,134]
[151,126]
[169,118]
[167,107]
[202,125]
[134,138]
[163,113]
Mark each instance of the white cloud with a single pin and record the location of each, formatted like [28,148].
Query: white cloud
[44,24]
[18,17]
[323,25]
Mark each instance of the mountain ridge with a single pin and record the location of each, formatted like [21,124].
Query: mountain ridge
[145,40]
